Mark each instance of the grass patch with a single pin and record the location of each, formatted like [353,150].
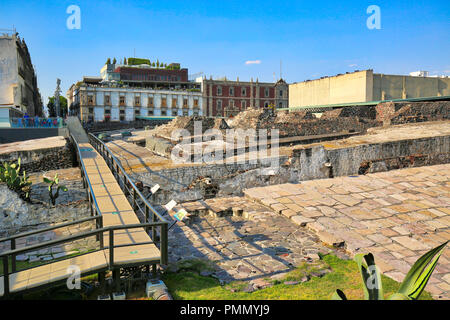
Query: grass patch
[189,285]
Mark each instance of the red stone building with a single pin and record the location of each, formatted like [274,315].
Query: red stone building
[224,98]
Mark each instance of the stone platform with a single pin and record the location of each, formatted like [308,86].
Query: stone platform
[397,215]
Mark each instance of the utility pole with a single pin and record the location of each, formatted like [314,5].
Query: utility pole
[57,92]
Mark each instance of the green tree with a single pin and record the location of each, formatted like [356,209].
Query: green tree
[52,108]
[108,61]
[157,63]
[114,61]
[124,60]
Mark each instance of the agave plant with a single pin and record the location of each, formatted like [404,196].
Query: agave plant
[411,287]
[54,182]
[10,174]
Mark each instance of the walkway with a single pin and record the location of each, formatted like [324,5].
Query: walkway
[396,215]
[116,210]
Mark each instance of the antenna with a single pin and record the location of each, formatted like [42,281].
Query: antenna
[274,79]
[281,74]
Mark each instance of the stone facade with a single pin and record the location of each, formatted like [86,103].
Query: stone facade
[19,93]
[365,86]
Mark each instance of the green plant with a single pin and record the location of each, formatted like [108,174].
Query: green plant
[10,174]
[411,287]
[52,183]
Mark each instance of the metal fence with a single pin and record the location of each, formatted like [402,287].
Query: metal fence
[36,122]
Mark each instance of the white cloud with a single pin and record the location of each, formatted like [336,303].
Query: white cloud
[352,65]
[253,62]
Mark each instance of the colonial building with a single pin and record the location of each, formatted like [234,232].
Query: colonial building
[226,98]
[19,93]
[126,91]
[94,100]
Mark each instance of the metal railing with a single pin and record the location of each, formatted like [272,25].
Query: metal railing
[7,256]
[35,122]
[96,214]
[133,193]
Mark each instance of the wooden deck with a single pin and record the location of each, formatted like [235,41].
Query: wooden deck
[116,211]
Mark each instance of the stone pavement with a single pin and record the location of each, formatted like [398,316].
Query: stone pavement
[246,241]
[397,215]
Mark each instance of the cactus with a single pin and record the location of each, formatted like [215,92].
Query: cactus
[10,174]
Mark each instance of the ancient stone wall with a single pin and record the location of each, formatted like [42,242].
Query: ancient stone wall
[43,158]
[314,162]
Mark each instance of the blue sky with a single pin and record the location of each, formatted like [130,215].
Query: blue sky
[312,38]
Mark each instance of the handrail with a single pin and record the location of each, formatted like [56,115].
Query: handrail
[80,236]
[98,232]
[85,175]
[62,225]
[129,180]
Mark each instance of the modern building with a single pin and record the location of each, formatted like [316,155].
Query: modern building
[365,86]
[223,97]
[124,92]
[19,93]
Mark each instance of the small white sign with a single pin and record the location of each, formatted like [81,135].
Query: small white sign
[154,188]
[170,205]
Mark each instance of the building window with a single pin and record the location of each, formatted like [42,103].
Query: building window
[219,105]
[122,118]
[243,104]
[107,100]
[151,112]
[185,112]
[280,105]
[231,104]
[107,111]
[231,91]
[195,103]
[281,93]
[90,100]
[219,90]
[244,92]
[174,111]
[266,104]
[121,100]
[163,102]
[91,110]
[137,112]
[174,102]
[266,92]
[137,101]
[185,103]
[150,101]
[164,112]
